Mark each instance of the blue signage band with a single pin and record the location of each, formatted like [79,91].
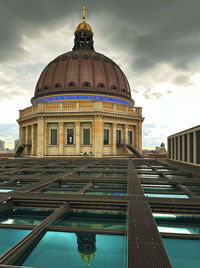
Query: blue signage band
[83,97]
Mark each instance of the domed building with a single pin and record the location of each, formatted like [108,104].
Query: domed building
[82,104]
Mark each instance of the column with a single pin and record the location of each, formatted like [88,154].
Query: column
[188,147]
[77,137]
[61,137]
[40,134]
[183,148]
[175,148]
[46,138]
[98,137]
[195,147]
[114,128]
[178,148]
[26,140]
[33,139]
[126,141]
[140,137]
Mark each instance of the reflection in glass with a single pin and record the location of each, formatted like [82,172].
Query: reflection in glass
[73,250]
[93,219]
[24,216]
[9,237]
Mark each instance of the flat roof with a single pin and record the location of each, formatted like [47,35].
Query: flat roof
[189,129]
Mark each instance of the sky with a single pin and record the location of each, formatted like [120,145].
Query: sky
[155,42]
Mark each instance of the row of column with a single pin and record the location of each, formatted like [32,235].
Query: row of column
[185,147]
[38,134]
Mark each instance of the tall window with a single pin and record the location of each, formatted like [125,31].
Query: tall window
[118,137]
[106,136]
[130,137]
[54,137]
[86,136]
[70,136]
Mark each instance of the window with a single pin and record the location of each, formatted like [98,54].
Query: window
[86,136]
[54,136]
[70,136]
[118,137]
[58,85]
[71,84]
[106,136]
[86,84]
[130,137]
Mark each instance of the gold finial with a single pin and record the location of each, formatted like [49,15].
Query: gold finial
[84,9]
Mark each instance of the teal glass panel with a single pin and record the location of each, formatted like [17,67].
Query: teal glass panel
[108,193]
[9,237]
[76,250]
[184,224]
[183,253]
[146,176]
[24,216]
[58,191]
[167,195]
[5,190]
[93,219]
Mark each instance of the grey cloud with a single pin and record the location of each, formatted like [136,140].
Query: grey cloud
[152,32]
[182,80]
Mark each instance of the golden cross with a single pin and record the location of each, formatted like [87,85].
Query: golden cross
[84,9]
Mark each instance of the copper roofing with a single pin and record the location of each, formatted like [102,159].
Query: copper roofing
[83,71]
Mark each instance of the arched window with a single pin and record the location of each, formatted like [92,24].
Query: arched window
[47,87]
[58,85]
[113,87]
[71,84]
[123,90]
[101,85]
[86,84]
[38,90]
[86,57]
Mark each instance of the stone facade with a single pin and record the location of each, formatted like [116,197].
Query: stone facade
[45,128]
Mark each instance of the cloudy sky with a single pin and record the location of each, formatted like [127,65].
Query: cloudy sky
[155,42]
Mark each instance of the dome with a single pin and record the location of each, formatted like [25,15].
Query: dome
[82,70]
[162,145]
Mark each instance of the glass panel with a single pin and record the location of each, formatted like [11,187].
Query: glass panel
[73,250]
[94,219]
[167,195]
[86,136]
[119,193]
[130,137]
[183,253]
[24,216]
[5,190]
[118,137]
[171,223]
[106,136]
[146,176]
[9,237]
[53,136]
[70,136]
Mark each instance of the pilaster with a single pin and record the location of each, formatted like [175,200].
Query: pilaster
[114,128]
[77,136]
[61,137]
[40,137]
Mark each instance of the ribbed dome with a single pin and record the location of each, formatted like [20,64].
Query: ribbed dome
[83,71]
